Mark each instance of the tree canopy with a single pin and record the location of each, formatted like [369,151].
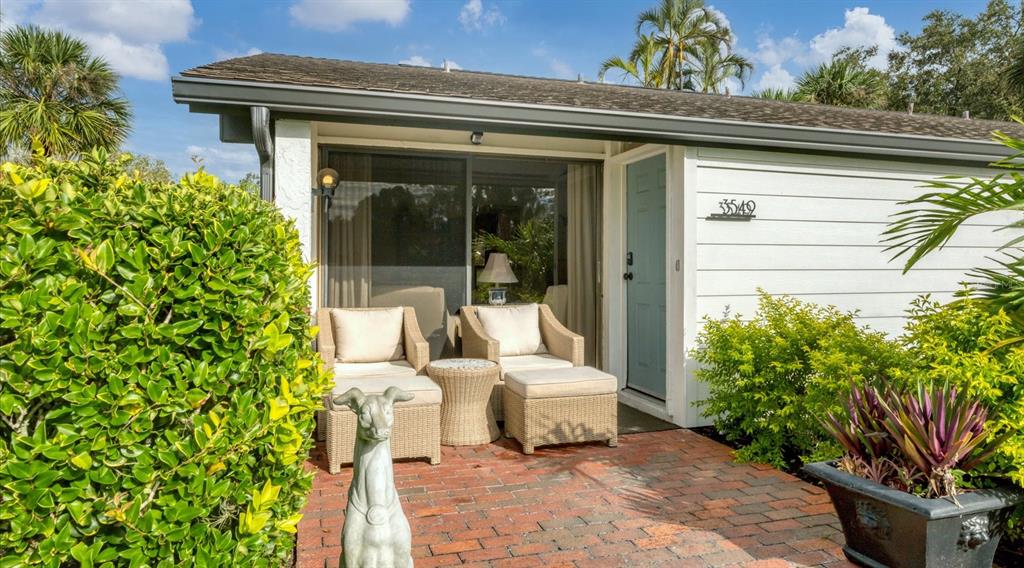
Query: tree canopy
[958,64]
[954,64]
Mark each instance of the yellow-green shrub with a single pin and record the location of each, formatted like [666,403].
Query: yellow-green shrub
[771,378]
[953,343]
[157,383]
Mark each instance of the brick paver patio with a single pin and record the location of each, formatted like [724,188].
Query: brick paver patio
[672,498]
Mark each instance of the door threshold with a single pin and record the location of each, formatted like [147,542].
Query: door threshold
[645,403]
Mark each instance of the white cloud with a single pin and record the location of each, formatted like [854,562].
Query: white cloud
[420,61]
[128,34]
[416,60]
[560,68]
[773,52]
[337,15]
[146,61]
[782,58]
[13,12]
[231,162]
[775,78]
[860,29]
[222,54]
[133,21]
[721,16]
[473,16]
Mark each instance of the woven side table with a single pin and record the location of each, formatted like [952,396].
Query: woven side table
[466,415]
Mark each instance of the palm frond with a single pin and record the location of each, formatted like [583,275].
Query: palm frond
[931,220]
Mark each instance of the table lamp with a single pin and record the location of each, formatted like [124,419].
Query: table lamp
[497,271]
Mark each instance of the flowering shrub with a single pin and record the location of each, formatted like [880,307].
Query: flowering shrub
[771,378]
[157,382]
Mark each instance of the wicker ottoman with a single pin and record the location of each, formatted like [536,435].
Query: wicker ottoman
[559,406]
[467,418]
[416,432]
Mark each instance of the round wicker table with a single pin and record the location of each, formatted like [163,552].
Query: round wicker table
[466,415]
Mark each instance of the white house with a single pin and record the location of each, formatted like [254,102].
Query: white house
[650,209]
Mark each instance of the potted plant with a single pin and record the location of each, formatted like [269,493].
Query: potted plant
[899,489]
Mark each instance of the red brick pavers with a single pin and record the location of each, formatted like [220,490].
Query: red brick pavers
[671,498]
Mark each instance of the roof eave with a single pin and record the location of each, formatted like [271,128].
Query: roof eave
[214,95]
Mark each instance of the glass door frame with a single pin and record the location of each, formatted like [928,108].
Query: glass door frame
[322,159]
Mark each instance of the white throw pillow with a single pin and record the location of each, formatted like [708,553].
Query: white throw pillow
[368,335]
[517,328]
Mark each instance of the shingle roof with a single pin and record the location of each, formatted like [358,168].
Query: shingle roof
[311,71]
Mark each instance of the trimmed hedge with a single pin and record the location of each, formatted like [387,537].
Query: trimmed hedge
[157,380]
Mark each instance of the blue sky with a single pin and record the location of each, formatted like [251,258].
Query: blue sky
[148,41]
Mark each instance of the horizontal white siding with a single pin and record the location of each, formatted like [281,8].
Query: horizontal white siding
[817,235]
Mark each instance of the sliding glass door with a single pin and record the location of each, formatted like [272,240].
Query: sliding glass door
[416,230]
[519,210]
[396,234]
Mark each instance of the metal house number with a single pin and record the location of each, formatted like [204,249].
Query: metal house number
[733,210]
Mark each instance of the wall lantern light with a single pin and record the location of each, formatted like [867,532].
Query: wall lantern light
[326,180]
[477,138]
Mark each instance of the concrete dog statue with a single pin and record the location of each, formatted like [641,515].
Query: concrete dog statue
[376,532]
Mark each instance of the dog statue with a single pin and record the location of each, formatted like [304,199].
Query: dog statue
[376,532]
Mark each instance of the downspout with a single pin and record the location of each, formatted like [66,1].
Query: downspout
[264,148]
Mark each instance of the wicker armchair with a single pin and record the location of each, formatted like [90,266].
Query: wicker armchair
[416,430]
[564,348]
[417,350]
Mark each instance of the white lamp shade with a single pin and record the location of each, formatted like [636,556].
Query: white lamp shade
[498,270]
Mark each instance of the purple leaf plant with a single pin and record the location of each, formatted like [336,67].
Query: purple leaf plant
[915,441]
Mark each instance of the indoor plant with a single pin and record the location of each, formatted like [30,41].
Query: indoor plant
[899,490]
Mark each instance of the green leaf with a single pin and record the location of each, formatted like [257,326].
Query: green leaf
[82,461]
[103,257]
[185,327]
[83,554]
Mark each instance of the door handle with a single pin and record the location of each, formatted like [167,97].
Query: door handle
[627,276]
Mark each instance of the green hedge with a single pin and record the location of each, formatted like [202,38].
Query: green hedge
[771,377]
[157,381]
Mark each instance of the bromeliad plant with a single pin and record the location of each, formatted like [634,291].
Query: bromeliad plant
[938,432]
[920,441]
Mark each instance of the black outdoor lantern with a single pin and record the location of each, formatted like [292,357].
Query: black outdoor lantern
[326,181]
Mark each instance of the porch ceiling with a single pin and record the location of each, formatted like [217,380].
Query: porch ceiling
[415,96]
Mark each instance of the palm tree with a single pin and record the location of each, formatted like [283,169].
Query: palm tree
[930,221]
[1015,72]
[678,28]
[777,94]
[843,81]
[714,64]
[641,67]
[54,95]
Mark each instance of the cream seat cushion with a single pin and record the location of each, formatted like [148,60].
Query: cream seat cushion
[527,362]
[425,390]
[517,328]
[378,369]
[552,383]
[367,335]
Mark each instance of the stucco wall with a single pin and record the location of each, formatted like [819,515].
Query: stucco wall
[293,180]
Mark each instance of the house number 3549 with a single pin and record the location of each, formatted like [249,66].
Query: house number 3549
[734,210]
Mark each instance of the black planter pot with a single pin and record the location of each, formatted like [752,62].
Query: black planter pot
[889,528]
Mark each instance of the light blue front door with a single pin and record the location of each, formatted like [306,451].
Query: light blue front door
[645,276]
